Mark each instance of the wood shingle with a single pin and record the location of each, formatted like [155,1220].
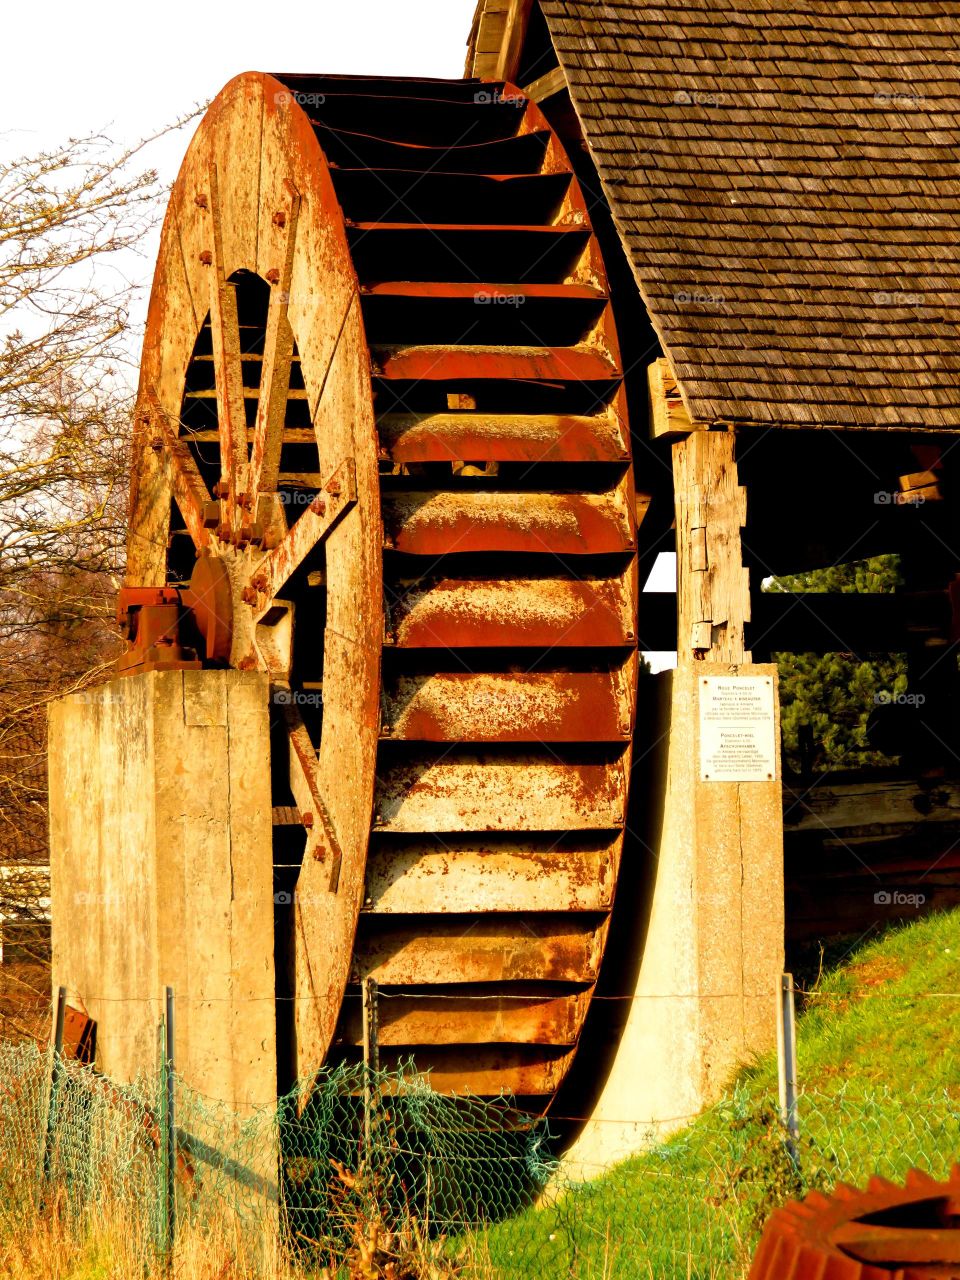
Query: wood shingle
[785,176]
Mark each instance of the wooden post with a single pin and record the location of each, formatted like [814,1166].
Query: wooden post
[713,587]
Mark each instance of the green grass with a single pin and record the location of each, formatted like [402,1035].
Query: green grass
[880,1085]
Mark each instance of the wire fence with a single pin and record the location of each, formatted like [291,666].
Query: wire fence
[360,1174]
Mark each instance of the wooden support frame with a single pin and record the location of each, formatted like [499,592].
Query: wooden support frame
[669,416]
[546,86]
[514,29]
[713,586]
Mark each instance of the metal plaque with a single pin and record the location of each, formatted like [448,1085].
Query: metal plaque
[738,740]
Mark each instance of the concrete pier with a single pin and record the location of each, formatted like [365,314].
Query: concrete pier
[703,1001]
[161,874]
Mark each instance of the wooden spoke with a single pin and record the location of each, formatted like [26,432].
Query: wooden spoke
[338,496]
[277,358]
[183,475]
[228,368]
[322,842]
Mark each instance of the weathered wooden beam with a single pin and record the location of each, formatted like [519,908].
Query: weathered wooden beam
[544,87]
[514,29]
[713,587]
[668,413]
[868,804]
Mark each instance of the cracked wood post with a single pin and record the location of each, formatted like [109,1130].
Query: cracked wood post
[713,587]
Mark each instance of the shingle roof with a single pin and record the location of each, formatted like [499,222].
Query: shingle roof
[786,177]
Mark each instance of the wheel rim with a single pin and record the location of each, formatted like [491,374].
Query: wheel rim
[447,529]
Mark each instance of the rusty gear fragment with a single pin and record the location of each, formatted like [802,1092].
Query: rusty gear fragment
[886,1232]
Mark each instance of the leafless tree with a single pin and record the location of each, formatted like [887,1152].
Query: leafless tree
[71,220]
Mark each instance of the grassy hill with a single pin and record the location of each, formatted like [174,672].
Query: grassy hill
[880,1092]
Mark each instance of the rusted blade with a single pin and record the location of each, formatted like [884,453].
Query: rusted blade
[372,195]
[470,364]
[548,612]
[554,523]
[547,948]
[452,437]
[510,790]
[485,1018]
[517,707]
[349,149]
[522,1071]
[487,875]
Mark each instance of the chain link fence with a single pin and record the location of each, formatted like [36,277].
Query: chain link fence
[372,1175]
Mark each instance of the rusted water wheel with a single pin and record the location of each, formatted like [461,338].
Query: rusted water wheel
[886,1231]
[382,432]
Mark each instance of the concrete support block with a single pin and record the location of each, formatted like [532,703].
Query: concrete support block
[704,998]
[161,874]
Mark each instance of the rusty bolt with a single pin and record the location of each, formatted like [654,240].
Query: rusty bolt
[333,487]
[630,635]
[273,276]
[206,257]
[221,489]
[245,501]
[200,200]
[307,820]
[249,596]
[259,582]
[280,218]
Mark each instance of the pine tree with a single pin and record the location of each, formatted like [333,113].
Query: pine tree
[826,700]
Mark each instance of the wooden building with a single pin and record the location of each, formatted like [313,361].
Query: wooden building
[781,189]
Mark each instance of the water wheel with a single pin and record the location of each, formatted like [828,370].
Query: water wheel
[382,448]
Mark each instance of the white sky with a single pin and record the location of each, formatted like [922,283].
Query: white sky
[70,68]
[127,70]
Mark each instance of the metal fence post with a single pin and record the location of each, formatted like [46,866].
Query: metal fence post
[787,1064]
[56,1071]
[168,1131]
[371,1060]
